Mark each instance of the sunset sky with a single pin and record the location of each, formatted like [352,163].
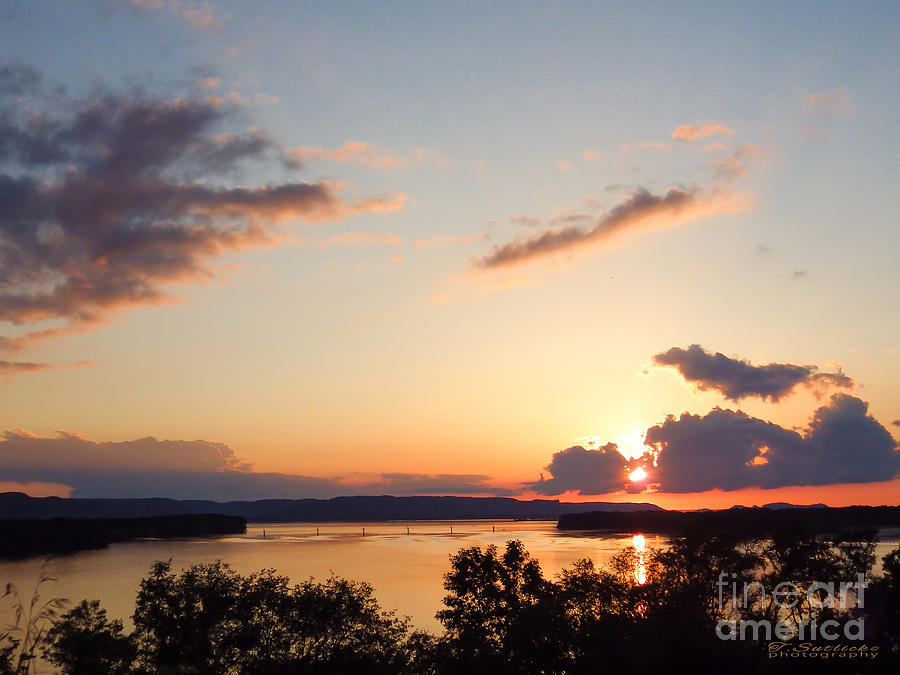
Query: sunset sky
[307,249]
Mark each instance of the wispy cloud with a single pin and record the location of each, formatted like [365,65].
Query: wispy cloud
[102,205]
[692,132]
[10,367]
[734,165]
[640,210]
[353,152]
[238,99]
[833,103]
[527,221]
[197,15]
[647,145]
[355,238]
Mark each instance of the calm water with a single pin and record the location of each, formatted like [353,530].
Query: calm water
[406,570]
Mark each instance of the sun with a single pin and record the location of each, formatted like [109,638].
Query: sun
[637,475]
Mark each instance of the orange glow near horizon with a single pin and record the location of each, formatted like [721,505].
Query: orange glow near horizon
[885,493]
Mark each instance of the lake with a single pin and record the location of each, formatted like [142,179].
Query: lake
[406,570]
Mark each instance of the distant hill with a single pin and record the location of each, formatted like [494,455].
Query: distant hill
[19,505]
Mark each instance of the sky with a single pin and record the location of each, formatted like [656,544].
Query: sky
[265,249]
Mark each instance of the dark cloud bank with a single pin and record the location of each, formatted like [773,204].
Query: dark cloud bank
[736,379]
[102,203]
[148,467]
[724,449]
[729,450]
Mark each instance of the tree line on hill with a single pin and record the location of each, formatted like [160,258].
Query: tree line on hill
[350,508]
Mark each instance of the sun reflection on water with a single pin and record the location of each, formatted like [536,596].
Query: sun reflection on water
[640,563]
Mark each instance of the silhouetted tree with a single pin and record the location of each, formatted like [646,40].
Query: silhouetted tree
[600,617]
[85,642]
[502,616]
[209,619]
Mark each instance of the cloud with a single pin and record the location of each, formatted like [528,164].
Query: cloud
[730,450]
[647,145]
[106,202]
[353,152]
[799,274]
[18,80]
[209,82]
[587,472]
[10,367]
[16,344]
[20,449]
[527,221]
[433,484]
[590,154]
[563,165]
[238,99]
[715,146]
[148,467]
[353,238]
[896,423]
[734,165]
[571,218]
[200,16]
[833,103]
[640,209]
[736,378]
[692,132]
